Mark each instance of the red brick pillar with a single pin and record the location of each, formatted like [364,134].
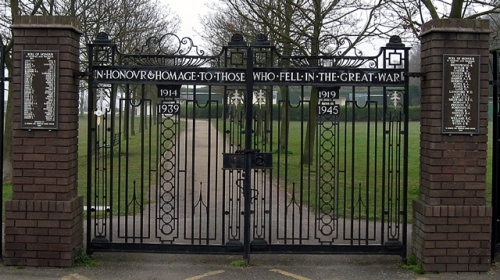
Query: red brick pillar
[451,222]
[44,217]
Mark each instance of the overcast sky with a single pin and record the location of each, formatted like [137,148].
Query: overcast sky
[189,12]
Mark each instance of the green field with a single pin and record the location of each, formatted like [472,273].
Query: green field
[357,183]
[294,168]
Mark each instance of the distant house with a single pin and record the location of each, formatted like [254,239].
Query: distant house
[201,94]
[362,98]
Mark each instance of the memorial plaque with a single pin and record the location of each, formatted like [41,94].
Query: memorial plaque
[461,94]
[39,89]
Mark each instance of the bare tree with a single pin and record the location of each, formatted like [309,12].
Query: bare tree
[311,27]
[128,22]
[411,14]
[220,24]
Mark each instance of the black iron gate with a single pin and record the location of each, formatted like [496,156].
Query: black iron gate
[246,151]
[495,186]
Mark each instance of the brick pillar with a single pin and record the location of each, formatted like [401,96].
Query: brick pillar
[451,222]
[43,224]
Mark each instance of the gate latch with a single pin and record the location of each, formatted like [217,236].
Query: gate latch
[237,161]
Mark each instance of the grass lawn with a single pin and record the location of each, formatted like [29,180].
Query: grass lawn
[294,167]
[7,194]
[356,187]
[133,171]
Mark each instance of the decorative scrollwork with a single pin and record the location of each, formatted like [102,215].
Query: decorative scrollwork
[168,50]
[160,60]
[344,46]
[343,54]
[335,61]
[170,44]
[237,98]
[395,97]
[260,97]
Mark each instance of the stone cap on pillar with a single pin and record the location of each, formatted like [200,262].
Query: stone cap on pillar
[456,25]
[53,22]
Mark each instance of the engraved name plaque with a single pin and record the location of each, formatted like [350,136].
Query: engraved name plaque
[461,94]
[39,89]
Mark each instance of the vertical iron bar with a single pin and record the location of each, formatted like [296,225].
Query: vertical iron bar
[89,146]
[344,166]
[386,161]
[248,156]
[112,159]
[384,173]
[151,159]
[183,167]
[209,174]
[353,165]
[225,173]
[368,104]
[278,171]
[308,171]
[406,101]
[192,184]
[129,117]
[143,149]
[2,115]
[286,169]
[495,193]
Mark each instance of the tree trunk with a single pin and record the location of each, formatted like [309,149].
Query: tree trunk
[308,155]
[287,51]
[285,119]
[456,9]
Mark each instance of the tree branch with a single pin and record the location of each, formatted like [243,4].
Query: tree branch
[430,7]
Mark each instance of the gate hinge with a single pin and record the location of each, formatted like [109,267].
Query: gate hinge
[80,74]
[416,75]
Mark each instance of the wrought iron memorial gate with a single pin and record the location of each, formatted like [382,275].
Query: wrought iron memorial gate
[197,153]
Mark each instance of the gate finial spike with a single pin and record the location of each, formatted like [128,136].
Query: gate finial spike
[102,38]
[395,41]
[261,41]
[237,40]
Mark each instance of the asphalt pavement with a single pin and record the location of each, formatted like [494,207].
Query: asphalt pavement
[193,267]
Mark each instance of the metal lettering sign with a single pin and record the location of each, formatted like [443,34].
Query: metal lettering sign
[328,109]
[39,89]
[460,94]
[169,91]
[328,92]
[169,109]
[260,76]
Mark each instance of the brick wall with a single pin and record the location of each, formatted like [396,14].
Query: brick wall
[44,217]
[452,225]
